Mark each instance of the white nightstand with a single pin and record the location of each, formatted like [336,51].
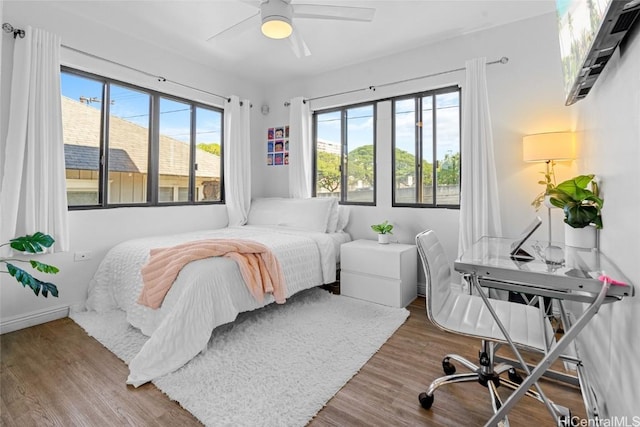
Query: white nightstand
[385,274]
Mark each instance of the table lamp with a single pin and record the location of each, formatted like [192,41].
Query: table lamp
[549,148]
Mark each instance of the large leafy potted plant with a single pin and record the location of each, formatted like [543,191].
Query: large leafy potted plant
[579,199]
[32,244]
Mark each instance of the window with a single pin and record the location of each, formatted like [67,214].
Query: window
[128,137]
[159,149]
[426,149]
[345,154]
[174,162]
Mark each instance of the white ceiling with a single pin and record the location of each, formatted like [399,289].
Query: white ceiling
[184,26]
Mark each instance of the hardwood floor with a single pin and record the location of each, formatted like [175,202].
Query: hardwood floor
[54,374]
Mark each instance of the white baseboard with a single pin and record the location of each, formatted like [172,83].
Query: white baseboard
[32,319]
[422,289]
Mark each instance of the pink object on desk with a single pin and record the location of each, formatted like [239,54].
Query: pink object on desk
[602,278]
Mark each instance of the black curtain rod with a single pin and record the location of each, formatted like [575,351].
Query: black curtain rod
[502,60]
[159,78]
[8,28]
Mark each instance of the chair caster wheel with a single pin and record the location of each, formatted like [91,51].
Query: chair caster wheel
[425,400]
[514,376]
[448,367]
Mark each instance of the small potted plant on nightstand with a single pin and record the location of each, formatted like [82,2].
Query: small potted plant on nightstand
[384,231]
[581,207]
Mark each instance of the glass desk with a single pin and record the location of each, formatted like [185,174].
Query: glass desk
[582,275]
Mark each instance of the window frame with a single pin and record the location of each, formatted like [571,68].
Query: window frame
[419,147]
[344,144]
[153,158]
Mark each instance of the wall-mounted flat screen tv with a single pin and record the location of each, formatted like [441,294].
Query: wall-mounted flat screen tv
[590,31]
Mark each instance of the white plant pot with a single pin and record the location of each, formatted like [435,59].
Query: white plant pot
[580,237]
[547,202]
[383,239]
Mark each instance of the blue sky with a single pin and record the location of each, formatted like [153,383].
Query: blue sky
[359,127]
[133,105]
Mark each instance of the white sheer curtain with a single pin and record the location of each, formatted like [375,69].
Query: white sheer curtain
[33,195]
[479,204]
[300,149]
[237,159]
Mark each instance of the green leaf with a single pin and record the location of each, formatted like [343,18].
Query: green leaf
[384,228]
[36,285]
[559,198]
[32,244]
[576,187]
[579,216]
[45,268]
[597,221]
[583,180]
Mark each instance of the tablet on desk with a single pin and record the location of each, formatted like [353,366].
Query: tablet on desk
[516,247]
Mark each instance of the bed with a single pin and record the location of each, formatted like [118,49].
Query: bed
[304,234]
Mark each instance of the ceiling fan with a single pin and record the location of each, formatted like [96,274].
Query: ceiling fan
[277,20]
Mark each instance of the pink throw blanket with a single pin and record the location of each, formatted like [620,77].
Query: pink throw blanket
[259,267]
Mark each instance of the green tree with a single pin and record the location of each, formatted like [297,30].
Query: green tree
[328,171]
[594,16]
[213,148]
[405,166]
[427,173]
[448,172]
[361,166]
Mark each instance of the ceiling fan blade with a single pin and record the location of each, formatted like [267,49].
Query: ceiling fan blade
[240,27]
[254,3]
[298,45]
[341,13]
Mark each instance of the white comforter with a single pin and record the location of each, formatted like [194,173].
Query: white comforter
[206,294]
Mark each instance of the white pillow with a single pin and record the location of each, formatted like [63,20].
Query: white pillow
[343,217]
[305,214]
[332,224]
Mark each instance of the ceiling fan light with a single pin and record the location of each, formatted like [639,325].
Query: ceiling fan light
[276,27]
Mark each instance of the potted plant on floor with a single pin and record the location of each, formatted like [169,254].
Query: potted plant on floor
[579,199]
[384,231]
[31,244]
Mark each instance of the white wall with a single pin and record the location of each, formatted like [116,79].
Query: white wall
[97,230]
[609,123]
[525,97]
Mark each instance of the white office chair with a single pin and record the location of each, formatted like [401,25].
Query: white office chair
[467,314]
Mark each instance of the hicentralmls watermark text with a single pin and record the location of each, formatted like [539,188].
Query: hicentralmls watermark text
[600,422]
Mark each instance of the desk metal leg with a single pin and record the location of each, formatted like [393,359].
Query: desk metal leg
[587,392]
[552,374]
[523,364]
[548,360]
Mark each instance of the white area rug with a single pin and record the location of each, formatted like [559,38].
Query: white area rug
[277,366]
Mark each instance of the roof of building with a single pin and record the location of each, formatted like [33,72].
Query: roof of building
[87,158]
[128,145]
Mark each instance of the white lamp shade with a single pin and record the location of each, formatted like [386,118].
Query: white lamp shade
[543,147]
